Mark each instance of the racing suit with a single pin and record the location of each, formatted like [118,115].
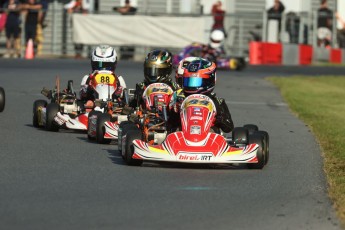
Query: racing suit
[86,93]
[212,53]
[140,88]
[223,119]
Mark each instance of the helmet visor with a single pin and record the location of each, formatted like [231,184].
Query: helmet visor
[99,65]
[193,82]
[154,74]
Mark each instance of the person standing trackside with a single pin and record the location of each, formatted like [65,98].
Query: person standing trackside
[324,25]
[12,28]
[32,9]
[275,13]
[77,6]
[218,17]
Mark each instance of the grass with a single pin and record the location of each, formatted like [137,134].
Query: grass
[320,103]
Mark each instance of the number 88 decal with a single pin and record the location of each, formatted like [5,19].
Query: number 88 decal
[105,79]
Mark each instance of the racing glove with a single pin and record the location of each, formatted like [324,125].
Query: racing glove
[119,91]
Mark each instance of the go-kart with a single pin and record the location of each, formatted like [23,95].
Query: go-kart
[197,144]
[222,62]
[63,111]
[103,123]
[2,99]
[148,123]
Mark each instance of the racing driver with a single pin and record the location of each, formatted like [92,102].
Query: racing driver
[103,58]
[157,69]
[199,77]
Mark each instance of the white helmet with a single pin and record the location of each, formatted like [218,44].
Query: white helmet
[181,67]
[104,57]
[217,37]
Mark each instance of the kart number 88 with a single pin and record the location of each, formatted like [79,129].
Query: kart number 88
[104,79]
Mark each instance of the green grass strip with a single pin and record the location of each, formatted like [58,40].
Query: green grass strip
[320,103]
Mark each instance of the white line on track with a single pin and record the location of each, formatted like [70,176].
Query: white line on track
[280,104]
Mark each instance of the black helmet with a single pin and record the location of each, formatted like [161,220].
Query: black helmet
[157,66]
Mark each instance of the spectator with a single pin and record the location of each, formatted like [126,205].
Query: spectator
[127,9]
[218,16]
[32,9]
[341,31]
[127,52]
[76,6]
[275,12]
[12,29]
[324,25]
[43,13]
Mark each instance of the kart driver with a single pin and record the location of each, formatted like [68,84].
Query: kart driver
[214,49]
[103,58]
[157,69]
[199,77]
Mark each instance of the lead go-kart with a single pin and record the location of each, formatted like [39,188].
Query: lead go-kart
[222,61]
[2,99]
[196,143]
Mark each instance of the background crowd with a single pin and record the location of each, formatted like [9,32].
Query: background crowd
[33,13]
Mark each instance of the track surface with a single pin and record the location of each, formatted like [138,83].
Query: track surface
[62,181]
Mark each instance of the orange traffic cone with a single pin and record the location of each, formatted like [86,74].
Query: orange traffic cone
[29,52]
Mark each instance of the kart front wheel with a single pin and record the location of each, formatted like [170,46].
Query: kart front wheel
[240,136]
[92,113]
[36,117]
[51,111]
[129,148]
[266,140]
[2,99]
[260,154]
[100,128]
[251,128]
[124,127]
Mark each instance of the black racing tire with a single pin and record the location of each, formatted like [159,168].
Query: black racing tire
[51,111]
[124,127]
[266,144]
[129,147]
[251,128]
[35,115]
[240,136]
[100,129]
[2,99]
[241,64]
[88,123]
[260,154]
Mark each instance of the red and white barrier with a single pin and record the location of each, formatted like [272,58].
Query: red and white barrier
[265,53]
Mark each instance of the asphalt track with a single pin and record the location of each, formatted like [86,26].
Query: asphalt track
[62,181]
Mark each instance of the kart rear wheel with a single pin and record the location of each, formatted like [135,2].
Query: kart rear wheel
[260,154]
[100,128]
[2,99]
[51,111]
[251,128]
[36,115]
[240,136]
[241,64]
[266,144]
[129,147]
[92,113]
